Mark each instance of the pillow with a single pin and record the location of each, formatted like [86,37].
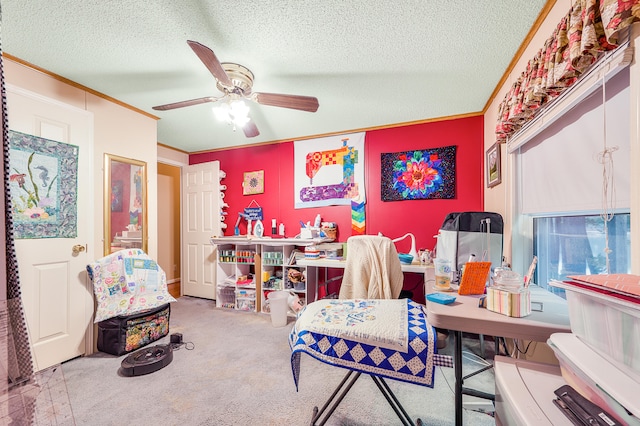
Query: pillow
[126,282]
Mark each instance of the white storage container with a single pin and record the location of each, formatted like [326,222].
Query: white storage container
[591,374]
[609,325]
[525,393]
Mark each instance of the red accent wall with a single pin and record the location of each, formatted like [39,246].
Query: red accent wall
[420,217]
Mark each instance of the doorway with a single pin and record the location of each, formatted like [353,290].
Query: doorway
[169,225]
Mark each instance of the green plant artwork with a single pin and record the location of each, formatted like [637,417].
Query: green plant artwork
[43,184]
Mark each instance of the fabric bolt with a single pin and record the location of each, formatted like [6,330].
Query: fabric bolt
[590,28]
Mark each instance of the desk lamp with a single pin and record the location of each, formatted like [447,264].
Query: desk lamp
[413,251]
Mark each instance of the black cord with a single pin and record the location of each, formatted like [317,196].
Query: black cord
[515,344]
[187,345]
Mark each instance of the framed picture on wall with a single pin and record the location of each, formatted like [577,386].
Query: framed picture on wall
[494,175]
[253,183]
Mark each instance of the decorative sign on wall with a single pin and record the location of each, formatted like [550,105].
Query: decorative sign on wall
[253,211]
[419,174]
[43,183]
[329,171]
[253,183]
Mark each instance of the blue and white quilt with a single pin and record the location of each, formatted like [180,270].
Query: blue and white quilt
[384,337]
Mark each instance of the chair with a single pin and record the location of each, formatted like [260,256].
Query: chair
[372,269]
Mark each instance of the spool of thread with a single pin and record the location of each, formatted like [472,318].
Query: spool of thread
[273,227]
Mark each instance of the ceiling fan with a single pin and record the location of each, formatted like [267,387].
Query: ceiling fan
[236,82]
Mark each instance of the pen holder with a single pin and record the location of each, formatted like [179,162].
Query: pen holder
[510,302]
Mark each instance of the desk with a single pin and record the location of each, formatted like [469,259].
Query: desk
[464,315]
[426,270]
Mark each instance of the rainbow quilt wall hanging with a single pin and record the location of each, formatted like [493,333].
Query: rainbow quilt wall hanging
[419,174]
[329,171]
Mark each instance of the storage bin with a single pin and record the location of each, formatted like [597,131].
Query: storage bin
[126,333]
[226,297]
[597,379]
[246,304]
[609,325]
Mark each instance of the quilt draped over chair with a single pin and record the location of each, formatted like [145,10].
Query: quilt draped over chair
[126,282]
[372,269]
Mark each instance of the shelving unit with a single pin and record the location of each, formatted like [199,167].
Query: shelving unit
[278,273]
[267,266]
[236,277]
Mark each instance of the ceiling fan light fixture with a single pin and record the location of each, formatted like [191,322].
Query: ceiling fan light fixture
[235,112]
[239,113]
[221,111]
[236,83]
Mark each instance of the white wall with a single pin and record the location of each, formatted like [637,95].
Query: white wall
[172,156]
[118,130]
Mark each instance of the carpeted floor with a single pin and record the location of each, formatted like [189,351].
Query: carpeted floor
[239,372]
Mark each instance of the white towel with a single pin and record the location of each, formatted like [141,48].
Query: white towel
[372,269]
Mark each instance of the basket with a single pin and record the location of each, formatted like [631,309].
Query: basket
[331,233]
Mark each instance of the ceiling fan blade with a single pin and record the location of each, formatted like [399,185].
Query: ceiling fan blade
[212,63]
[250,129]
[185,103]
[304,103]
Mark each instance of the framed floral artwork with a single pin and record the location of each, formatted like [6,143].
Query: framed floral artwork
[253,183]
[494,175]
[419,174]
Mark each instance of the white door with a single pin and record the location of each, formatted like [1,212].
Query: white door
[200,222]
[56,292]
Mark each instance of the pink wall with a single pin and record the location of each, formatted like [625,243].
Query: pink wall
[421,217]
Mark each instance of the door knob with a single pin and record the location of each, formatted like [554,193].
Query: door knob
[78,248]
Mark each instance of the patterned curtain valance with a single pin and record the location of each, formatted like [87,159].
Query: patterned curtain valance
[590,28]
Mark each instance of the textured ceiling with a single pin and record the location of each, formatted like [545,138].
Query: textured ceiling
[369,63]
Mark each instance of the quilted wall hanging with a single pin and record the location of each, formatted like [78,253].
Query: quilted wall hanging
[43,185]
[329,171]
[419,174]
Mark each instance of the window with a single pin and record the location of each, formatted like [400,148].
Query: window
[560,190]
[575,245]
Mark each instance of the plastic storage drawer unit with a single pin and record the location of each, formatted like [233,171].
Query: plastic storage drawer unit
[608,324]
[594,377]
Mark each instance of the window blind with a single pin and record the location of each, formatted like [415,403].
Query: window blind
[559,167]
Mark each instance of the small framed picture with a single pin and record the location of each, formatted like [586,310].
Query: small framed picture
[494,175]
[253,183]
